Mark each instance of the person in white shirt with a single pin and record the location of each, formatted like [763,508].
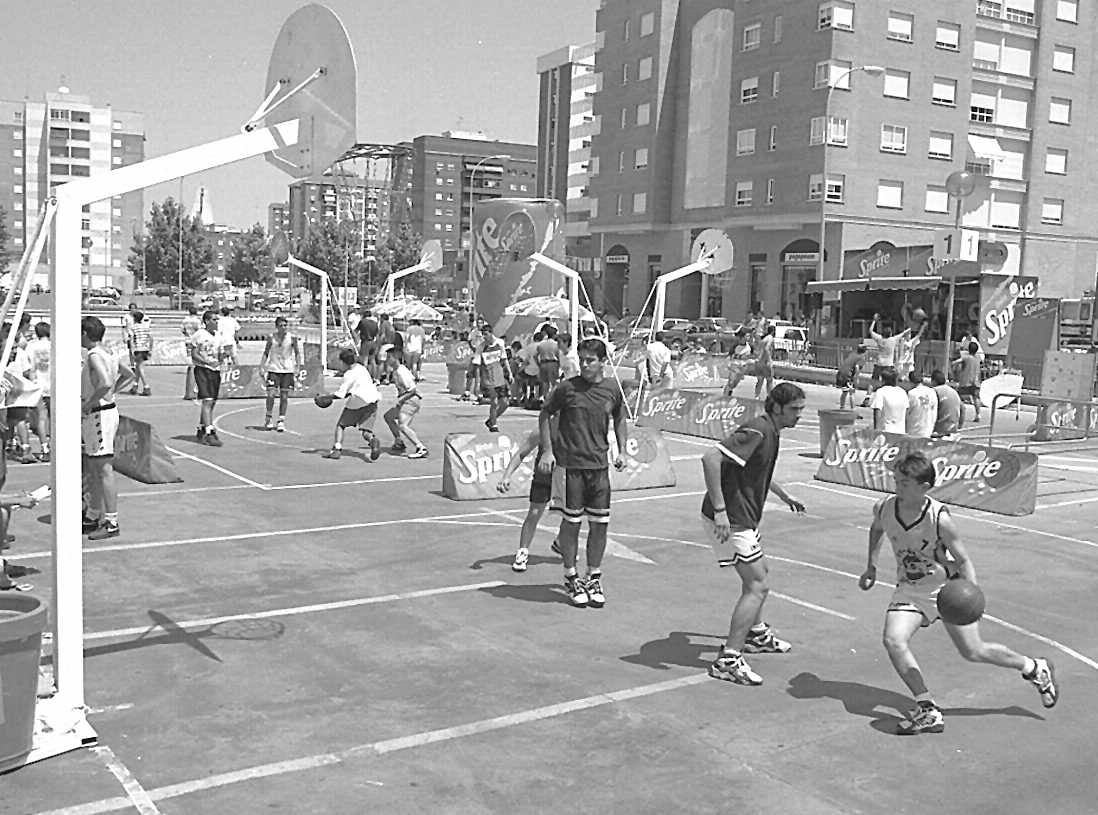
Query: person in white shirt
[38,350]
[207,354]
[401,415]
[227,327]
[886,356]
[18,418]
[568,357]
[906,342]
[922,408]
[657,362]
[363,397]
[413,348]
[889,405]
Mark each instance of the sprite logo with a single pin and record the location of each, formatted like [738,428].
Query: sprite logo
[882,455]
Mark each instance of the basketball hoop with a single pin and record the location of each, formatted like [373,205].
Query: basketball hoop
[714,246]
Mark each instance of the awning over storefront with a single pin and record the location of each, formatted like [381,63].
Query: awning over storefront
[875,284]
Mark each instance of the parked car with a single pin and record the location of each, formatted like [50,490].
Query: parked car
[101,302]
[789,340]
[643,325]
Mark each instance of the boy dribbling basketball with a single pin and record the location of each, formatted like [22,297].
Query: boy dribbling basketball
[928,552]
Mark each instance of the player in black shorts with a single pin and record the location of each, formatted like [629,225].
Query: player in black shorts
[541,490]
[585,404]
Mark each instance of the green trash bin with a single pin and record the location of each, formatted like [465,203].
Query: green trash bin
[829,421]
[22,620]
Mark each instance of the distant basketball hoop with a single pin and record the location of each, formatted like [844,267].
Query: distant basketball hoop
[714,246]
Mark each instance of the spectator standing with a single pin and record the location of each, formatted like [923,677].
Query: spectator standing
[846,378]
[191,323]
[764,365]
[569,359]
[657,362]
[140,342]
[922,408]
[889,404]
[386,335]
[968,377]
[413,348]
[368,329]
[548,361]
[227,328]
[948,420]
[100,378]
[495,380]
[39,351]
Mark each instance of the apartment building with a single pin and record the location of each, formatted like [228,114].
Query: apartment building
[49,142]
[343,197]
[440,180]
[278,218]
[566,125]
[760,118]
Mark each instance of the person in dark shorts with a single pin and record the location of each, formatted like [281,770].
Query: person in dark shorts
[363,398]
[585,405]
[541,490]
[846,378]
[368,343]
[206,355]
[495,377]
[548,355]
[738,476]
[968,378]
[281,360]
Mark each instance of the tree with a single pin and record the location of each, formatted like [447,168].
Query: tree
[155,254]
[333,247]
[6,253]
[251,262]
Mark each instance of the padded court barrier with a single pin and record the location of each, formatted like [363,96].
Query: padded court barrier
[708,415]
[141,455]
[248,382]
[991,479]
[473,463]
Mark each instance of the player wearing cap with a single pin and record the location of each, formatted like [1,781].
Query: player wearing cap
[362,397]
[738,476]
[928,552]
[281,360]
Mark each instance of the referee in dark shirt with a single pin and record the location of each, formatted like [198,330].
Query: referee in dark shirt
[580,445]
[738,477]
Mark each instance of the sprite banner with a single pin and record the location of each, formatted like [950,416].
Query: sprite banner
[141,455]
[248,381]
[709,415]
[991,479]
[472,465]
[1063,421]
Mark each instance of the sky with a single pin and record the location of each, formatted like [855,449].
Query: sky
[196,71]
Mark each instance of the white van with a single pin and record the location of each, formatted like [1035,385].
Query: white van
[790,341]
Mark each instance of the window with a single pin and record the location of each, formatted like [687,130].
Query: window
[947,36]
[648,23]
[890,194]
[438,212]
[438,227]
[640,203]
[644,113]
[900,26]
[449,227]
[893,139]
[776,83]
[644,69]
[1052,211]
[17,152]
[937,199]
[772,144]
[619,210]
[816,130]
[116,212]
[749,90]
[438,196]
[837,14]
[17,135]
[86,224]
[59,169]
[982,109]
[641,160]
[836,130]
[17,206]
[439,181]
[815,187]
[594,208]
[1063,59]
[624,118]
[1056,161]
[1059,111]
[621,161]
[1067,10]
[836,183]
[625,73]
[777,28]
[833,72]
[17,170]
[625,29]
[770,190]
[744,192]
[941,145]
[17,189]
[896,83]
[944,92]
[752,36]
[745,142]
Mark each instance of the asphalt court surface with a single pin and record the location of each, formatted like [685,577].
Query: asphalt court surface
[286,633]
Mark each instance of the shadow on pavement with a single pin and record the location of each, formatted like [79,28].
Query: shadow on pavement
[677,648]
[542,593]
[507,560]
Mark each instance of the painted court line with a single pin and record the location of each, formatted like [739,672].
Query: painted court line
[274,533]
[994,521]
[277,487]
[380,748]
[295,610]
[218,467]
[805,604]
[137,795]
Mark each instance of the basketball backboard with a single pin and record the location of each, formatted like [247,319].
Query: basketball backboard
[313,67]
[279,247]
[713,245]
[431,255]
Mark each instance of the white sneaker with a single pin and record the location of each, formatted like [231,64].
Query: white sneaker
[281,426]
[732,667]
[1044,679]
[522,556]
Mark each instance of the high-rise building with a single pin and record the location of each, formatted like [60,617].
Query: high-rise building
[278,218]
[342,197]
[566,125]
[65,136]
[763,118]
[223,240]
[437,184]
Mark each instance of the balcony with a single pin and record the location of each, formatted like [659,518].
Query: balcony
[988,71]
[1006,19]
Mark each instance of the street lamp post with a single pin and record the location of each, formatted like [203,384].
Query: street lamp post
[472,212]
[959,185]
[872,70]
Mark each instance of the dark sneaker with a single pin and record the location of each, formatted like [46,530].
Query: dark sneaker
[398,447]
[212,439]
[200,435]
[594,591]
[765,643]
[924,718]
[107,530]
[419,452]
[147,392]
[577,590]
[732,667]
[522,558]
[88,525]
[555,546]
[375,448]
[492,428]
[44,456]
[1044,679]
[333,453]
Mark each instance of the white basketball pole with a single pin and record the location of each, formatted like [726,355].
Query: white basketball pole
[324,283]
[68,631]
[390,281]
[573,278]
[661,291]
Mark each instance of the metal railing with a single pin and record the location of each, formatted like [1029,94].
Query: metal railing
[1076,421]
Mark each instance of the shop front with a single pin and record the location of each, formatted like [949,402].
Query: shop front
[799,263]
[615,280]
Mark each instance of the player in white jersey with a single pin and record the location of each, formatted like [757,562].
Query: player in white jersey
[281,360]
[928,552]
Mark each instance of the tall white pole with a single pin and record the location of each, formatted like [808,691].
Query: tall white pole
[324,322]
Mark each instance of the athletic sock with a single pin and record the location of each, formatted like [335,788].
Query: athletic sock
[111,517]
[211,429]
[571,572]
[924,699]
[337,446]
[761,628]
[1029,670]
[594,572]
